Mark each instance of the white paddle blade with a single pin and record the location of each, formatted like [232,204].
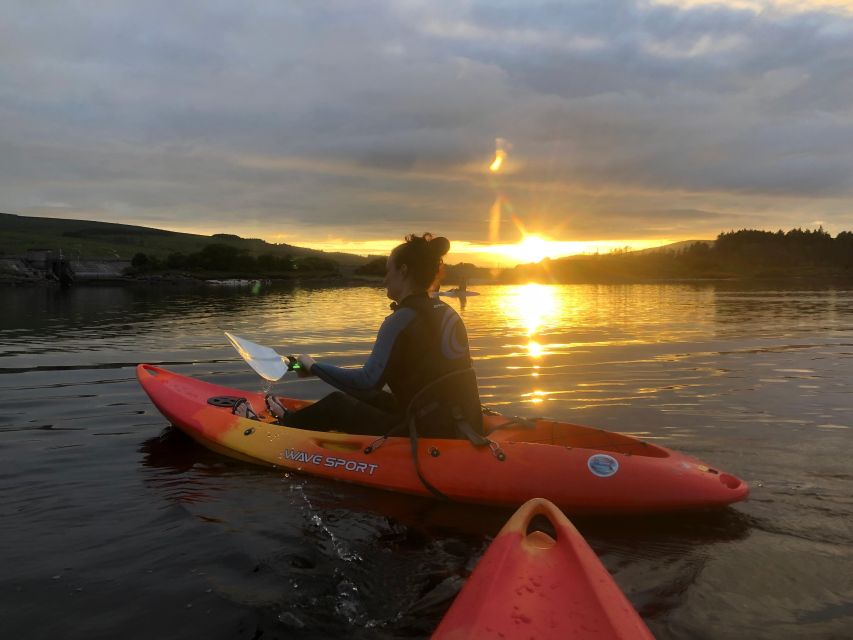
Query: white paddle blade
[265,361]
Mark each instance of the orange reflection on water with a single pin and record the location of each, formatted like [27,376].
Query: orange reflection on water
[535,397]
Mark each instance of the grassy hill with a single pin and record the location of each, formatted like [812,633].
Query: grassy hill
[88,239]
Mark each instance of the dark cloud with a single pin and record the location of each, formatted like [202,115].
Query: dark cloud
[373,117]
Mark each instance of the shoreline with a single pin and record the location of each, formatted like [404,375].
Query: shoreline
[230,281]
[219,281]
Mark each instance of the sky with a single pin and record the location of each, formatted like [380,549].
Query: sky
[346,125]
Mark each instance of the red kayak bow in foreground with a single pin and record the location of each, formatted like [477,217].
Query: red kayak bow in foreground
[530,585]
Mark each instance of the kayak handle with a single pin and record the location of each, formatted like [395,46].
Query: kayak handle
[522,519]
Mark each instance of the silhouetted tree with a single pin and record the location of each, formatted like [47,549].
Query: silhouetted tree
[316,263]
[375,267]
[219,257]
[139,261]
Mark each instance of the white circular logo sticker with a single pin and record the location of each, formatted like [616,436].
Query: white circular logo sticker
[602,465]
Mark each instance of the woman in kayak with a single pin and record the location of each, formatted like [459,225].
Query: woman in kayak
[421,341]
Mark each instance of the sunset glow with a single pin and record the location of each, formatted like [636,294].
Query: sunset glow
[534,248]
[530,249]
[480,122]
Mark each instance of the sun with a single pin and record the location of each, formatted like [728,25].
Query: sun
[531,248]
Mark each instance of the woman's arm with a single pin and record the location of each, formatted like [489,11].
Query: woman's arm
[371,377]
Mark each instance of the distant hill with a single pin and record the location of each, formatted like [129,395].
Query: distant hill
[674,246]
[89,239]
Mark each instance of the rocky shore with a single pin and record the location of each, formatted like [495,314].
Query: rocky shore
[44,269]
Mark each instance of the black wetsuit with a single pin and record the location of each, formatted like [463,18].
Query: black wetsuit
[422,340]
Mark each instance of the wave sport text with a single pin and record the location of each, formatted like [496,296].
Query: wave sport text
[329,461]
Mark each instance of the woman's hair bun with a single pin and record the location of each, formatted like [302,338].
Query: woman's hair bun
[439,246]
[422,255]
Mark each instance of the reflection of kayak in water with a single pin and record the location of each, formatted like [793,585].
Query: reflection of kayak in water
[580,469]
[456,293]
[529,584]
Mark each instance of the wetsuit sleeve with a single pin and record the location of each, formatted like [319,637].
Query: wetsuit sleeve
[370,378]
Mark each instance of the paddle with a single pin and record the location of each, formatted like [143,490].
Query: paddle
[265,361]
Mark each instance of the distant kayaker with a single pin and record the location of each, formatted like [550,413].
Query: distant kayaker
[423,340]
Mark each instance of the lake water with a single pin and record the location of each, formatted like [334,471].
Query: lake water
[112,524]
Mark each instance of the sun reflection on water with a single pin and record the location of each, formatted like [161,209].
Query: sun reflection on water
[533,309]
[534,349]
[546,336]
[534,305]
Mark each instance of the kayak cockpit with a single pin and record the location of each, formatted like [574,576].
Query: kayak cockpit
[565,434]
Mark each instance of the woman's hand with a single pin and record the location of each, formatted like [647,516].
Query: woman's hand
[305,363]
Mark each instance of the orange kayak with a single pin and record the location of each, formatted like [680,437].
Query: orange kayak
[581,469]
[530,585]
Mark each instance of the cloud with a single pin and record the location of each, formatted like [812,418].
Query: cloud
[375,119]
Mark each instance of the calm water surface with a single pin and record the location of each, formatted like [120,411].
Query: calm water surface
[112,524]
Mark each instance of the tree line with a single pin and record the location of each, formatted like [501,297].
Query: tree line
[226,259]
[744,253]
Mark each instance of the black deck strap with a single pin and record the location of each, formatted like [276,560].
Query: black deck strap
[397,428]
[413,434]
[477,439]
[373,446]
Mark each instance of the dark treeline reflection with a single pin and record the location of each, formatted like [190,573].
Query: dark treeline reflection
[46,310]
